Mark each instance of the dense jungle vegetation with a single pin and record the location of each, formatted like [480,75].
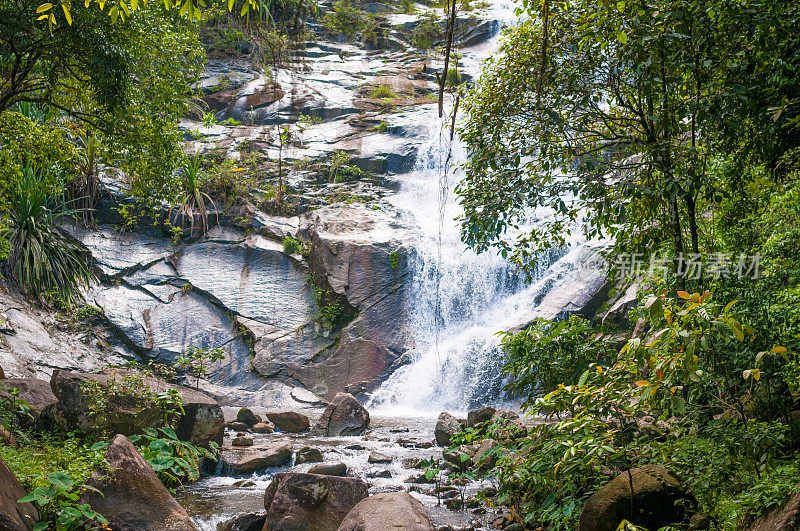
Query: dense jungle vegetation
[670,129]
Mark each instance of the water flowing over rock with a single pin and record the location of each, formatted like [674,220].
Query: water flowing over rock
[14,516]
[344,416]
[389,510]
[133,498]
[308,501]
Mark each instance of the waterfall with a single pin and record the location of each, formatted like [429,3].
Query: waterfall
[458,300]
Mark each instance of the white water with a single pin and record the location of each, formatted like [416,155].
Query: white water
[456,365]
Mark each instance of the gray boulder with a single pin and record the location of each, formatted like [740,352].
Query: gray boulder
[201,423]
[389,510]
[329,469]
[343,416]
[479,416]
[310,502]
[446,426]
[308,454]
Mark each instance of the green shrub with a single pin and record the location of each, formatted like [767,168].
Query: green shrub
[41,259]
[382,92]
[54,471]
[345,18]
[427,33]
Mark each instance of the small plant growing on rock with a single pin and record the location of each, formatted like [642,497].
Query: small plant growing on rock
[345,18]
[197,361]
[172,459]
[295,245]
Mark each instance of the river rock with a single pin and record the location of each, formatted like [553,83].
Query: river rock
[201,423]
[376,458]
[343,416]
[329,469]
[246,416]
[133,498]
[446,427]
[14,516]
[479,416]
[263,427]
[37,393]
[786,517]
[237,426]
[659,500]
[308,454]
[242,441]
[246,522]
[258,457]
[388,510]
[297,501]
[289,421]
[485,457]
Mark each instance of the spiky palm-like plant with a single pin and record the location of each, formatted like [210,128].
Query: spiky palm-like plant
[42,260]
[192,197]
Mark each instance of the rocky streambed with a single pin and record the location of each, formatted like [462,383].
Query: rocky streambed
[387,457]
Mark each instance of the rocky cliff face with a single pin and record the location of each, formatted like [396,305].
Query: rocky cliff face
[331,318]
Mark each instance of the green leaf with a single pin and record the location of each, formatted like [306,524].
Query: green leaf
[61,480]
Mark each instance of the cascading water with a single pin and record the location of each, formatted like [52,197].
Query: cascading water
[458,300]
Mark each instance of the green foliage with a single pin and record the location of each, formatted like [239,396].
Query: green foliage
[227,181]
[547,354]
[407,7]
[41,259]
[55,472]
[197,361]
[345,18]
[191,197]
[330,313]
[129,391]
[428,32]
[382,92]
[173,460]
[295,245]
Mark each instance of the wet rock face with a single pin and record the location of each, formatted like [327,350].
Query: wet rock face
[14,516]
[329,469]
[388,510]
[133,498]
[359,254]
[309,501]
[201,423]
[344,416]
[659,500]
[33,343]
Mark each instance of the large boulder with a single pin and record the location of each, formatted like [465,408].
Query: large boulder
[398,511]
[479,416]
[246,460]
[289,421]
[201,423]
[446,426]
[343,416]
[659,499]
[310,502]
[133,498]
[37,393]
[14,516]
[784,518]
